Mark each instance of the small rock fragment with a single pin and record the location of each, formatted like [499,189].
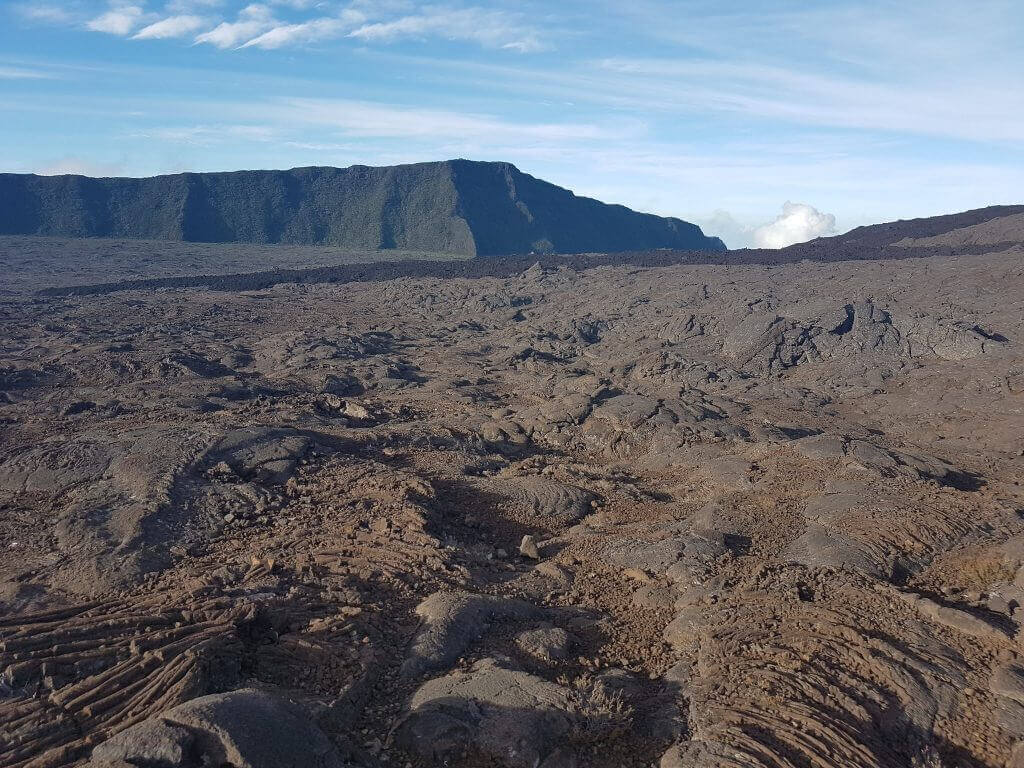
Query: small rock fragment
[528,547]
[357,411]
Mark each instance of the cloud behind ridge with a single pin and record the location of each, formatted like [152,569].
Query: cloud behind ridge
[797,223]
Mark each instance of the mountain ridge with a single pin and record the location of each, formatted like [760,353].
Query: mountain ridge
[889,232]
[456,206]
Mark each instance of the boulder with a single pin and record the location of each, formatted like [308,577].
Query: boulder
[547,501]
[453,620]
[508,716]
[244,729]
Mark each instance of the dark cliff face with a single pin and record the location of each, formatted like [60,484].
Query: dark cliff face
[505,206]
[457,206]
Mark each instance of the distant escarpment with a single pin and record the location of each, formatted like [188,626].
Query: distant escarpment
[993,225]
[457,206]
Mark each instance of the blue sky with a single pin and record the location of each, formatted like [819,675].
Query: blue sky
[717,112]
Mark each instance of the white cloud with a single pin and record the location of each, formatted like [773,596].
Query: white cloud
[51,14]
[258,25]
[306,32]
[494,29]
[798,223]
[119,20]
[299,5]
[173,26]
[253,20]
[176,7]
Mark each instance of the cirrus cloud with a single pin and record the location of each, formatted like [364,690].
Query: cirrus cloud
[377,120]
[493,29]
[306,32]
[173,26]
[252,21]
[21,73]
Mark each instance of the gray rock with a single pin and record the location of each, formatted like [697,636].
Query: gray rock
[151,742]
[528,547]
[731,472]
[356,411]
[548,500]
[511,717]
[546,643]
[262,454]
[653,556]
[1008,681]
[453,620]
[684,629]
[1009,715]
[821,546]
[821,446]
[679,674]
[244,729]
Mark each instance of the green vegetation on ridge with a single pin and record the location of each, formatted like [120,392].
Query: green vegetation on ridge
[457,206]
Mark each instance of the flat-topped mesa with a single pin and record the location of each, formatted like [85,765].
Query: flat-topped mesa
[455,206]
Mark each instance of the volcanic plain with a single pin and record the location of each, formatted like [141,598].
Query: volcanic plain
[749,509]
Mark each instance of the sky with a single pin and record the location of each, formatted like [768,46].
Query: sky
[766,122]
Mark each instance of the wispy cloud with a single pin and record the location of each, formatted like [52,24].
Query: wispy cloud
[208,135]
[44,12]
[494,29]
[273,24]
[178,7]
[935,67]
[119,20]
[306,32]
[320,146]
[367,119]
[20,73]
[299,5]
[965,109]
[252,21]
[172,26]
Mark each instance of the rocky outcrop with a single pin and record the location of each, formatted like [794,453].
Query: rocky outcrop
[246,729]
[512,718]
[453,620]
[773,341]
